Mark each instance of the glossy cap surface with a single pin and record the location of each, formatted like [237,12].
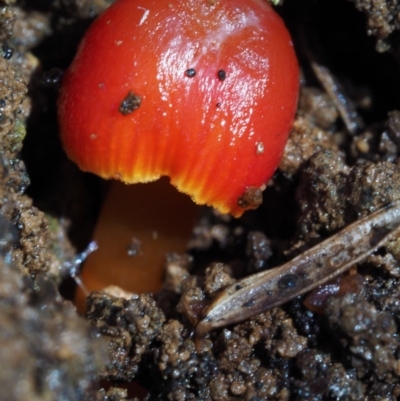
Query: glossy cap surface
[202,91]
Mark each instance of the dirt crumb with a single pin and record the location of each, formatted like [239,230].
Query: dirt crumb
[47,351]
[81,8]
[321,188]
[130,327]
[304,141]
[192,301]
[368,335]
[176,271]
[319,379]
[258,250]
[316,106]
[383,18]
[372,185]
[217,278]
[113,394]
[12,91]
[7,19]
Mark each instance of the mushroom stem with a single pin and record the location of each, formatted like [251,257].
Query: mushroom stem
[138,225]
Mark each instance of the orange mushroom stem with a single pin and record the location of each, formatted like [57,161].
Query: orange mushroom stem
[138,226]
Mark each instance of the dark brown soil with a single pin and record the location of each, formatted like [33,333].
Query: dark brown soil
[341,163]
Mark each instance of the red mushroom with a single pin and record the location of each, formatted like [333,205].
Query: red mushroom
[201,91]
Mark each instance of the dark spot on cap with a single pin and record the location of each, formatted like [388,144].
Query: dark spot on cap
[130,103]
[191,72]
[7,51]
[52,78]
[287,282]
[219,104]
[221,75]
[251,198]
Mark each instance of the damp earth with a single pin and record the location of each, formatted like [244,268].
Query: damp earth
[341,164]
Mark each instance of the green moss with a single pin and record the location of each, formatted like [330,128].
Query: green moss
[19,131]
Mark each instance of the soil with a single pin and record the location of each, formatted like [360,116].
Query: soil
[341,163]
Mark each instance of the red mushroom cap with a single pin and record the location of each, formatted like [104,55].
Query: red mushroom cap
[202,91]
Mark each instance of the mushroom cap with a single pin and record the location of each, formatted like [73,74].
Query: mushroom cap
[201,91]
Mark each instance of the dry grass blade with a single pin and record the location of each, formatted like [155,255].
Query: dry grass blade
[312,268]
